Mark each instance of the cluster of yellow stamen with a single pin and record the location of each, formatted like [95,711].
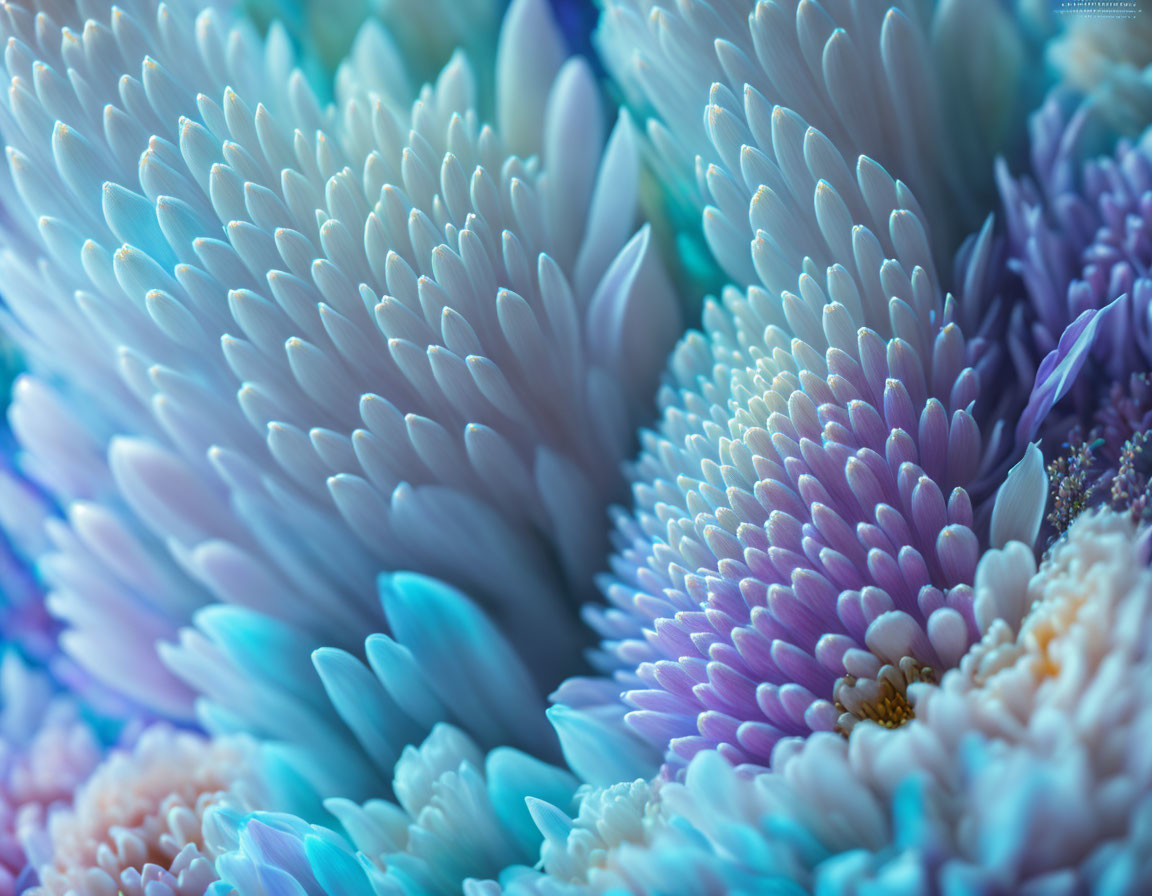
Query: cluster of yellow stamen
[883,700]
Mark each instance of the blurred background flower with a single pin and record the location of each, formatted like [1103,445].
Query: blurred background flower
[1109,59]
[895,81]
[135,825]
[47,748]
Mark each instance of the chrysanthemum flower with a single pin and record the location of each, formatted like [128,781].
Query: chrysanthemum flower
[135,825]
[459,815]
[46,751]
[895,81]
[278,347]
[808,509]
[1023,772]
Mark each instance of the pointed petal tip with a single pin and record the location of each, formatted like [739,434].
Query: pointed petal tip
[1020,502]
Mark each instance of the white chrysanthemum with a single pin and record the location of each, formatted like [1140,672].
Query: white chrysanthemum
[1056,638]
[303,344]
[135,826]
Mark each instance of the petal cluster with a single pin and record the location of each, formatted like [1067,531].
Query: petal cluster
[1022,772]
[277,346]
[894,81]
[807,508]
[342,723]
[46,751]
[135,825]
[330,396]
[458,815]
[1079,239]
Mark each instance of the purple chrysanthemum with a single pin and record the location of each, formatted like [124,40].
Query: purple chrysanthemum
[805,512]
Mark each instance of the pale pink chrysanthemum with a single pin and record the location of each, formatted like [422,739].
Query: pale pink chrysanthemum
[135,826]
[46,752]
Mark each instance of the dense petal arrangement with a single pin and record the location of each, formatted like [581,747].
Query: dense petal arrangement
[578,853]
[135,826]
[1079,247]
[459,815]
[334,328]
[1037,731]
[806,510]
[1078,237]
[342,724]
[894,81]
[1022,772]
[278,408]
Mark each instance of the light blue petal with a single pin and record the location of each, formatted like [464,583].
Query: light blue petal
[598,751]
[470,665]
[512,778]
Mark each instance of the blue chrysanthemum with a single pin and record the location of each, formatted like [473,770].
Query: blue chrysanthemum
[341,723]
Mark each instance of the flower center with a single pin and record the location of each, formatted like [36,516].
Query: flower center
[883,699]
[891,709]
